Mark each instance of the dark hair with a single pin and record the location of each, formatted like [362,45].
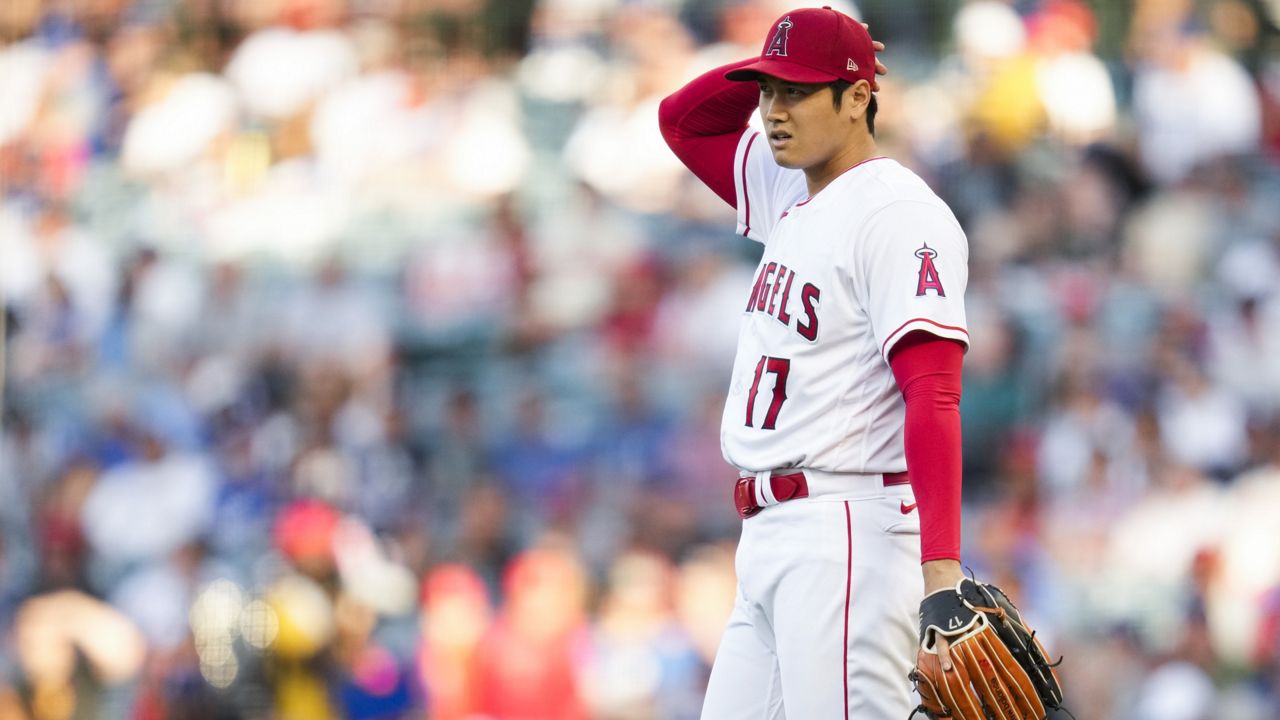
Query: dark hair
[837,98]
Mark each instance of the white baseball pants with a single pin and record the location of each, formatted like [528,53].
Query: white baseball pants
[824,624]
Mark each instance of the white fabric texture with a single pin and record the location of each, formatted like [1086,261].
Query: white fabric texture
[807,570]
[844,276]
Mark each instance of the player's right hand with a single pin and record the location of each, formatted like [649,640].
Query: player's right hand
[880,68]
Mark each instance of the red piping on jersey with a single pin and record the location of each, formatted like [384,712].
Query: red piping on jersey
[746,198]
[923,320]
[864,162]
[848,591]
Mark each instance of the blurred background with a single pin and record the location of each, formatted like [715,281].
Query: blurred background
[364,358]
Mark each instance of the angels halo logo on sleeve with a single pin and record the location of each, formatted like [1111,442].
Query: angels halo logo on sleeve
[928,278]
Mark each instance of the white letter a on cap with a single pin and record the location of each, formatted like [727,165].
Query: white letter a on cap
[852,65]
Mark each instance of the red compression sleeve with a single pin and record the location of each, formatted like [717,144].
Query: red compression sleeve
[702,123]
[927,369]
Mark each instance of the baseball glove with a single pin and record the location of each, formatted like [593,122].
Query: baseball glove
[999,669]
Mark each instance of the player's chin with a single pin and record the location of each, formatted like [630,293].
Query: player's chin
[787,158]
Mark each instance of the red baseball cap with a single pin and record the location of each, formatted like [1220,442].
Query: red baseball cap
[814,45]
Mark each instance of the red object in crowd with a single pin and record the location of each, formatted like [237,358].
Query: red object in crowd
[304,532]
[527,663]
[523,679]
[456,616]
[1266,651]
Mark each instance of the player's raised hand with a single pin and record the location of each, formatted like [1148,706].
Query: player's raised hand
[880,68]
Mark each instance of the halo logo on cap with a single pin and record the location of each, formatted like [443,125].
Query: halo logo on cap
[778,46]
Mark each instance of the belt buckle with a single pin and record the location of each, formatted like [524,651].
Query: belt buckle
[744,497]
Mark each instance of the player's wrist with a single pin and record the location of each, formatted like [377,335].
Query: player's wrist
[941,574]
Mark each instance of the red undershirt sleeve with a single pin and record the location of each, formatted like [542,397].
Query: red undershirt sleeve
[928,370]
[702,123]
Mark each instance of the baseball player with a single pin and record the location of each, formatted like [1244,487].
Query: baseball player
[843,409]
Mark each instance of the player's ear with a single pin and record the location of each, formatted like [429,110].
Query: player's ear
[856,99]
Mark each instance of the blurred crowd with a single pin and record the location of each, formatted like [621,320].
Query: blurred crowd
[364,358]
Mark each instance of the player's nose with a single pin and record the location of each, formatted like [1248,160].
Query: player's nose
[773,110]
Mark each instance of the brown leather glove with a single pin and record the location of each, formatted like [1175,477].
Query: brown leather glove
[999,669]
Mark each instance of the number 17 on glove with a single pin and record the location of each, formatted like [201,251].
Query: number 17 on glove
[999,669]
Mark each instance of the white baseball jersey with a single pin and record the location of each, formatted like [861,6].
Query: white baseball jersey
[845,275]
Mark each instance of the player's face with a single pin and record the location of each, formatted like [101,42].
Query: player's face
[804,128]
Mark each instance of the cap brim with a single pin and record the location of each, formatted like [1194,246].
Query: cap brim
[781,69]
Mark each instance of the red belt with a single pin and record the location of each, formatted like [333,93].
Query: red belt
[786,487]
